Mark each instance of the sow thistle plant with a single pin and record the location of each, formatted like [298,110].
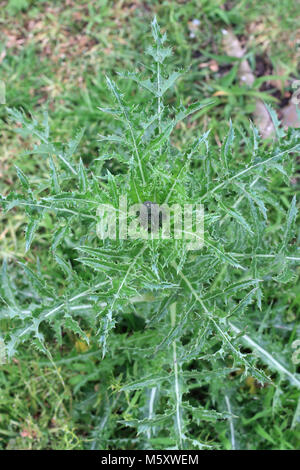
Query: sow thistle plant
[177,330]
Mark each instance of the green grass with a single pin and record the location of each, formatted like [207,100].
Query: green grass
[60,66]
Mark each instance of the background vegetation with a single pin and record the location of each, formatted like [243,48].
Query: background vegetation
[54,56]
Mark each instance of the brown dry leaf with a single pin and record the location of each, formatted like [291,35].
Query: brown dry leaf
[2,235]
[30,433]
[213,65]
[262,118]
[220,93]
[202,65]
[280,71]
[233,48]
[289,116]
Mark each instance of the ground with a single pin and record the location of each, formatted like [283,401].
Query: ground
[54,55]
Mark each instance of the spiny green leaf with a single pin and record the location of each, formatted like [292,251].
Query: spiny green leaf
[23,178]
[37,284]
[73,325]
[30,232]
[58,236]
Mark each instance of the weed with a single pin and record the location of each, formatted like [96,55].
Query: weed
[179,330]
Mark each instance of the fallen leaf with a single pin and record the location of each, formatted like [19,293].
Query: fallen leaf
[220,93]
[262,117]
[289,116]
